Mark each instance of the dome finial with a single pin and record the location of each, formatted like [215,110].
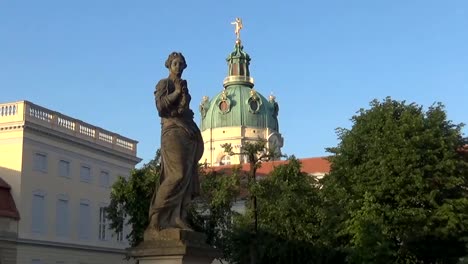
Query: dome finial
[238,62]
[239,26]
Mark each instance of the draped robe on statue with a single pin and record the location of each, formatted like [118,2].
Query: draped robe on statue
[181,150]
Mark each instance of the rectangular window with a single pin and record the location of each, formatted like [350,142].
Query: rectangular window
[84,221]
[38,214]
[120,233]
[40,162]
[61,219]
[120,236]
[64,168]
[102,223]
[104,179]
[36,261]
[85,173]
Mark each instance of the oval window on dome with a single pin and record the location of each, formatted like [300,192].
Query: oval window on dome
[224,106]
[254,105]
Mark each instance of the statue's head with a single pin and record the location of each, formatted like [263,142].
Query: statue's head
[176,56]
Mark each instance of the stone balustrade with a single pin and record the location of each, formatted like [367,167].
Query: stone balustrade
[8,110]
[25,111]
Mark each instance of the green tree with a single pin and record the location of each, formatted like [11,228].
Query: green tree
[289,217]
[398,187]
[255,152]
[130,200]
[212,213]
[289,220]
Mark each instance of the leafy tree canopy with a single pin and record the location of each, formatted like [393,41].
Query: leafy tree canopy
[398,187]
[130,200]
[397,193]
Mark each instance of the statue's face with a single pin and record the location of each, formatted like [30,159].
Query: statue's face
[177,66]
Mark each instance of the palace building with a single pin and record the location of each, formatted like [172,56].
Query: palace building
[55,178]
[238,114]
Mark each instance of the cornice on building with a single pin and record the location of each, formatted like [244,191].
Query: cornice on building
[31,117]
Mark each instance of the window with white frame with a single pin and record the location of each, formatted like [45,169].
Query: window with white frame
[104,179]
[85,173]
[84,221]
[64,168]
[120,235]
[38,212]
[102,223]
[62,216]
[225,160]
[40,161]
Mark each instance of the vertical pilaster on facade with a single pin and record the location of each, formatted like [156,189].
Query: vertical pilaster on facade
[54,120]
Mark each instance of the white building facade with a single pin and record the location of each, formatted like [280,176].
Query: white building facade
[60,170]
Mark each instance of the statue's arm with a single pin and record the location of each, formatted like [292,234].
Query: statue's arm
[164,99]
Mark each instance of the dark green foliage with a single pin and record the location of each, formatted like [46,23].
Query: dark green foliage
[288,201]
[256,152]
[211,213]
[130,200]
[398,192]
[289,222]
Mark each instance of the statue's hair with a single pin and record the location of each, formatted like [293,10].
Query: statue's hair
[174,55]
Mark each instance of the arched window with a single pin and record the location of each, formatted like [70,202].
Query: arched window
[225,160]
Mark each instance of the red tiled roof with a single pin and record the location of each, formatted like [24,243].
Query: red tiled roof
[7,204]
[309,165]
[464,149]
[316,165]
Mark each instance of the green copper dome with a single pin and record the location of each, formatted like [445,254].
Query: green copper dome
[239,104]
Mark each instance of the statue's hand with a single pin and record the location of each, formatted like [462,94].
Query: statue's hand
[184,86]
[178,84]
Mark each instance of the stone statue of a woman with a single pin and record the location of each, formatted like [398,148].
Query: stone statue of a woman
[181,150]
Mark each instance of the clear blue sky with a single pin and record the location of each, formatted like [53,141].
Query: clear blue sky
[98,61]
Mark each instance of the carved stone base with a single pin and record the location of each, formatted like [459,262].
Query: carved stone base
[174,246]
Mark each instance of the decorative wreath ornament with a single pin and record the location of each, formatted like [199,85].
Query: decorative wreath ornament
[224,103]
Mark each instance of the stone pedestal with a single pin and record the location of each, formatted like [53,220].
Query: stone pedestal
[174,246]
